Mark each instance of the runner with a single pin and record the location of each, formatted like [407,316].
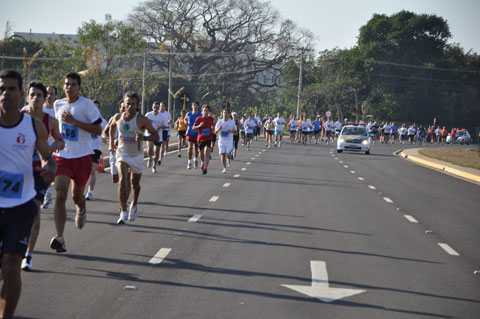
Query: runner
[306,129]
[279,124]
[292,126]
[242,128]
[131,126]
[192,135]
[338,128]
[444,134]
[236,135]
[214,136]
[21,134]
[112,156]
[155,147]
[225,127]
[181,126]
[167,122]
[269,130]
[402,134]
[438,134]
[97,149]
[205,125]
[36,93]
[411,134]
[387,131]
[329,130]
[48,108]
[298,135]
[249,126]
[258,121]
[317,128]
[78,119]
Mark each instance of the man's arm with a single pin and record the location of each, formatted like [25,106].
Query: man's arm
[113,128]
[59,143]
[145,124]
[94,128]
[49,165]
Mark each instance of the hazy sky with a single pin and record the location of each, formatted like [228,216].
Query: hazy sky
[334,22]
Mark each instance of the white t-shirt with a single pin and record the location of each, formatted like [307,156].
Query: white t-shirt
[157,121]
[279,123]
[293,125]
[305,125]
[403,131]
[249,126]
[338,126]
[97,139]
[50,112]
[78,142]
[166,117]
[225,137]
[329,126]
[387,129]
[242,125]
[411,131]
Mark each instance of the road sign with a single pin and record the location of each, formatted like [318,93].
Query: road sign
[328,113]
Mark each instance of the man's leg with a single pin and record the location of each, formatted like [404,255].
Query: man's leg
[123,185]
[135,181]
[62,183]
[12,284]
[35,229]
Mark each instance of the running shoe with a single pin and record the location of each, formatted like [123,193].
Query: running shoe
[224,171]
[149,163]
[154,169]
[189,166]
[27,263]
[195,163]
[89,195]
[179,155]
[132,214]
[48,199]
[80,219]
[229,163]
[204,170]
[58,243]
[159,162]
[165,154]
[123,218]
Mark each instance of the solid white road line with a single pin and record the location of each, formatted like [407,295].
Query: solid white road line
[160,255]
[361,178]
[388,200]
[236,176]
[213,199]
[448,249]
[226,184]
[371,187]
[410,219]
[194,218]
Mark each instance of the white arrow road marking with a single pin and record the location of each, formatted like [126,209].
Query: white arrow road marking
[194,218]
[320,288]
[160,255]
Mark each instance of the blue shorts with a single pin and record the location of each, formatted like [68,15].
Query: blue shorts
[16,226]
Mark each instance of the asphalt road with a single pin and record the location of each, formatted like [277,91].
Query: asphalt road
[278,218]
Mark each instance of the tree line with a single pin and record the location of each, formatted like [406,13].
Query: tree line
[402,67]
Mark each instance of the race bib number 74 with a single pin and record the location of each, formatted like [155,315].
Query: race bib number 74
[11,185]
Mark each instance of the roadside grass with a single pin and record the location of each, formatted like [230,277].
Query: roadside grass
[462,157]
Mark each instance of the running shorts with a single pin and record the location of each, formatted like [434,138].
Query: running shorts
[16,226]
[134,162]
[78,169]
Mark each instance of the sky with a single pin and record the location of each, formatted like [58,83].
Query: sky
[335,23]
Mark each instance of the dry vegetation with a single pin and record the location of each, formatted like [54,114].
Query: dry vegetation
[462,157]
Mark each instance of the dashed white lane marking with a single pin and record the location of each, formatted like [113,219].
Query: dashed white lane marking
[361,178]
[448,249]
[213,199]
[253,158]
[341,162]
[194,218]
[248,163]
[259,152]
[371,187]
[388,200]
[256,155]
[226,184]
[410,219]
[264,150]
[244,169]
[236,176]
[336,158]
[160,255]
[353,172]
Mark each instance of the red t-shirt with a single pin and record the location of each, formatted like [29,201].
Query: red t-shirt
[206,131]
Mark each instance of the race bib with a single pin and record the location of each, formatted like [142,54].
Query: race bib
[69,132]
[205,131]
[11,185]
[224,133]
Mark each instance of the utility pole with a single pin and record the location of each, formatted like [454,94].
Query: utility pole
[143,84]
[170,83]
[300,82]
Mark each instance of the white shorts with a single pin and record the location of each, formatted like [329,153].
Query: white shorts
[113,168]
[225,148]
[134,162]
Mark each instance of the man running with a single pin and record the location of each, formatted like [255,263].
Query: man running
[36,93]
[167,122]
[269,130]
[236,134]
[181,126]
[78,119]
[279,124]
[97,149]
[131,127]
[292,125]
[48,108]
[249,126]
[21,135]
[154,148]
[192,135]
[204,125]
[317,128]
[225,128]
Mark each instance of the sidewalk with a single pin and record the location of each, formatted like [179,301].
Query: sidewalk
[470,174]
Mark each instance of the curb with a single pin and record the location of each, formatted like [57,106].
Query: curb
[444,168]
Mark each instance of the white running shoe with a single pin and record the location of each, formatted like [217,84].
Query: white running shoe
[165,154]
[58,243]
[189,166]
[89,195]
[229,163]
[27,263]
[224,171]
[154,169]
[123,218]
[195,163]
[132,214]
[149,163]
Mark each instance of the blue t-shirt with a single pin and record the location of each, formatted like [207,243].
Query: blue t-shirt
[317,125]
[191,119]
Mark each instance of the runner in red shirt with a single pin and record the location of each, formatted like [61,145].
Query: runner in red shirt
[205,125]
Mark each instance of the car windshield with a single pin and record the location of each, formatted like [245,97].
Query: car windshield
[460,133]
[354,131]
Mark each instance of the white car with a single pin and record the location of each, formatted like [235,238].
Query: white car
[461,137]
[354,138]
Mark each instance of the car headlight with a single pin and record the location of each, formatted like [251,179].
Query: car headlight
[341,140]
[365,142]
